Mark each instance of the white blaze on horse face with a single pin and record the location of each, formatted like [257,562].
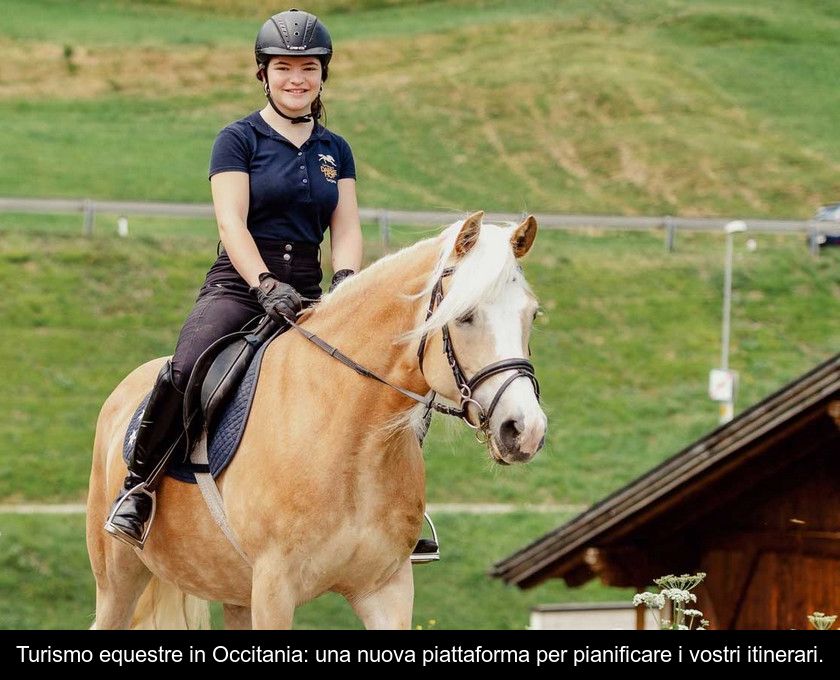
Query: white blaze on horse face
[509,321]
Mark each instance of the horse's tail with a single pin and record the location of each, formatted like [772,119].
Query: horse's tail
[163,606]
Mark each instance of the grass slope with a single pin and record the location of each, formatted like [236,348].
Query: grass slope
[681,107]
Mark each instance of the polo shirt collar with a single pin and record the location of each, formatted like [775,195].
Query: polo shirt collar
[256,121]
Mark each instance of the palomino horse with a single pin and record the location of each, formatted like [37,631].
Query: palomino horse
[326,492]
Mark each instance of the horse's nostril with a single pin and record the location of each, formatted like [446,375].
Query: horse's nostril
[508,433]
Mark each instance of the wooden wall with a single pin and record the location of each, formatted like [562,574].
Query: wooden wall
[776,556]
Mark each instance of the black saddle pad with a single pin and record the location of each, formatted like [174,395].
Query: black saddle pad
[224,437]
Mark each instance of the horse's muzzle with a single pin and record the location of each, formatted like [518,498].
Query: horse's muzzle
[517,442]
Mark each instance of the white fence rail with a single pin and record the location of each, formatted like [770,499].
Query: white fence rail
[670,225]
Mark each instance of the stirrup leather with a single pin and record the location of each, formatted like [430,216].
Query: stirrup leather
[423,558]
[117,532]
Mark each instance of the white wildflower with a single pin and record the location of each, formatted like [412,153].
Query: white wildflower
[650,600]
[679,595]
[683,582]
[821,621]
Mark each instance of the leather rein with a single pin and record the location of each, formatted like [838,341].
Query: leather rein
[522,368]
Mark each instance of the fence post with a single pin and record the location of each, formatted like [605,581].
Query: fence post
[384,231]
[814,239]
[670,233]
[89,210]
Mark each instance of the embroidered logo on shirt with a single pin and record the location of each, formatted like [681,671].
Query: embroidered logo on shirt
[326,158]
[329,172]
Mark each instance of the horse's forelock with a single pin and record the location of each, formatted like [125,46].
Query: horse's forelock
[479,276]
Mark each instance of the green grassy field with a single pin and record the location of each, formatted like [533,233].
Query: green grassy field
[46,582]
[628,334]
[623,350]
[648,107]
[712,108]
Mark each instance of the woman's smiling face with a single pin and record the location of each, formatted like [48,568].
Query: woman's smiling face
[295,82]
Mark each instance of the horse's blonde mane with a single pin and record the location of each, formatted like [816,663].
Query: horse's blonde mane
[377,269]
[479,276]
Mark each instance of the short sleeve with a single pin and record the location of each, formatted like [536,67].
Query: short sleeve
[348,165]
[230,152]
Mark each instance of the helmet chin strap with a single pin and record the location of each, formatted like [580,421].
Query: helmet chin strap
[306,118]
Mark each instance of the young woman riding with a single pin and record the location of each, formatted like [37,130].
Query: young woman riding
[279,180]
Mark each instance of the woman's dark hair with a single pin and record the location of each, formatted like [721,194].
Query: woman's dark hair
[318,106]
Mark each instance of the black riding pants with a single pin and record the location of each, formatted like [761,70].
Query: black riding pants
[225,305]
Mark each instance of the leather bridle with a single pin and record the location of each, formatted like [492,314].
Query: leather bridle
[522,368]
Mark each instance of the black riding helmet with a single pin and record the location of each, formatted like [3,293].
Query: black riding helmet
[295,34]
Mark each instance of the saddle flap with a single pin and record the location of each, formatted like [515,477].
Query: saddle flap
[224,374]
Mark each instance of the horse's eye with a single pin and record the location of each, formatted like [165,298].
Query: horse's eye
[466,319]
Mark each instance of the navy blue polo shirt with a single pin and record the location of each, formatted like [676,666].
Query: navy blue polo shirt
[293,192]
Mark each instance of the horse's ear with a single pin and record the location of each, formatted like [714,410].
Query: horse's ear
[468,235]
[523,237]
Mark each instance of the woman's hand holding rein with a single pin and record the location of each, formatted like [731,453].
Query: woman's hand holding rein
[279,299]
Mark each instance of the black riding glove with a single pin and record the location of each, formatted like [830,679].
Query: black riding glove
[277,298]
[339,276]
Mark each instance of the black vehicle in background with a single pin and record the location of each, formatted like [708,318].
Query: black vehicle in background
[828,229]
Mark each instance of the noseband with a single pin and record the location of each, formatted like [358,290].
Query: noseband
[522,368]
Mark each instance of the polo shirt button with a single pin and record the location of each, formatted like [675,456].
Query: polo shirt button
[303,167]
[305,181]
[287,257]
[288,247]
[300,153]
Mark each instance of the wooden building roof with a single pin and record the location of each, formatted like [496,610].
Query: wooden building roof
[684,500]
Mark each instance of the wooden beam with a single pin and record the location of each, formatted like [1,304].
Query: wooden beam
[834,412]
[747,576]
[629,566]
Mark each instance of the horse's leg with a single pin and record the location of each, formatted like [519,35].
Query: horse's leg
[120,575]
[389,607]
[236,617]
[272,598]
[119,585]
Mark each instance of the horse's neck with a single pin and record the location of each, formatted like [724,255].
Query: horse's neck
[365,320]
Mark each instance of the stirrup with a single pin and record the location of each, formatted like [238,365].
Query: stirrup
[423,558]
[117,532]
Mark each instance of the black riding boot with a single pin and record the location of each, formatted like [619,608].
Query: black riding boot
[159,426]
[425,546]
